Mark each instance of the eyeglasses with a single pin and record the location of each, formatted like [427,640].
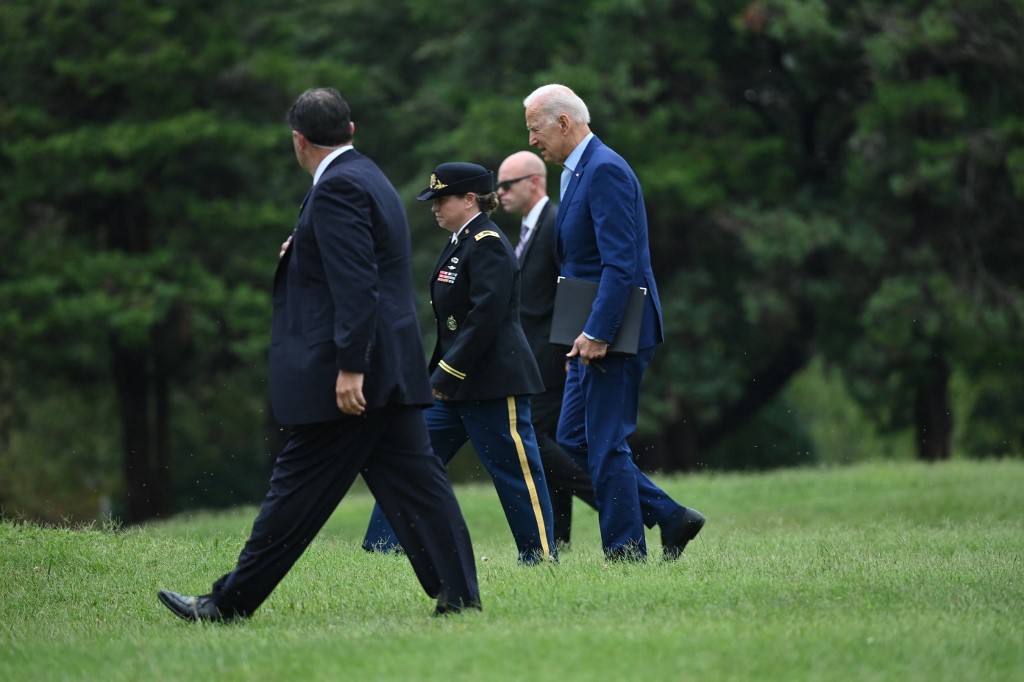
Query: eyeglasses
[506,185]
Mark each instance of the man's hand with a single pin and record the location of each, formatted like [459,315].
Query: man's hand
[587,349]
[284,246]
[349,393]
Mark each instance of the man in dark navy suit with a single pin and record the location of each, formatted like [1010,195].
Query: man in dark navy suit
[347,373]
[601,236]
[522,190]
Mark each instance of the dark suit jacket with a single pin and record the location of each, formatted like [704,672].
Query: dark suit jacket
[481,351]
[601,233]
[343,299]
[540,265]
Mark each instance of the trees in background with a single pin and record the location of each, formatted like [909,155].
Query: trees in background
[137,160]
[839,180]
[923,181]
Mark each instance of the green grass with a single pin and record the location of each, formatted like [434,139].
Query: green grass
[896,571]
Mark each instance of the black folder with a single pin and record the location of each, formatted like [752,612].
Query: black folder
[574,299]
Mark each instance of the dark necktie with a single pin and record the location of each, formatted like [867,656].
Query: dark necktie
[523,231]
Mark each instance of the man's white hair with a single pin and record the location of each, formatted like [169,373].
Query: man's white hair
[554,99]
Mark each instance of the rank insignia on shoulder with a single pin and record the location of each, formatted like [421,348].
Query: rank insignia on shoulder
[486,233]
[452,324]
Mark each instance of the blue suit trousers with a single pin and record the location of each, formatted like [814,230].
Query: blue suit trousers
[599,413]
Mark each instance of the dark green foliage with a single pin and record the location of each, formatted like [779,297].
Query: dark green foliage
[773,438]
[136,208]
[822,178]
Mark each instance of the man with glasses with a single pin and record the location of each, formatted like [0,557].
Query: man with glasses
[522,189]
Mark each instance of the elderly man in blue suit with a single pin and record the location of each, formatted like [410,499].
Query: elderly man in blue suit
[347,375]
[601,236]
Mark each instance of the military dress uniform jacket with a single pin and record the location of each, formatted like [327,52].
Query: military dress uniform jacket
[481,351]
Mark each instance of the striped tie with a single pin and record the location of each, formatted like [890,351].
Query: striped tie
[524,230]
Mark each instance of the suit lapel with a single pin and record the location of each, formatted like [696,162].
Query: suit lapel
[286,256]
[445,255]
[574,180]
[538,226]
[283,260]
[449,250]
[465,233]
[309,193]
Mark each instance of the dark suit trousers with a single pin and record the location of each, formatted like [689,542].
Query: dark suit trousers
[565,477]
[317,466]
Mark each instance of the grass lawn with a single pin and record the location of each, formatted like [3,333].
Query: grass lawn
[872,572]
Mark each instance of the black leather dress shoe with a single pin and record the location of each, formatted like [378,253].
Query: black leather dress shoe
[192,608]
[678,529]
[446,608]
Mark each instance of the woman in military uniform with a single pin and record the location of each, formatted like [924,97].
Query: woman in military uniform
[482,368]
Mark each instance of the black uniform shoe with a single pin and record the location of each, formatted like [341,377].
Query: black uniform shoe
[678,529]
[192,608]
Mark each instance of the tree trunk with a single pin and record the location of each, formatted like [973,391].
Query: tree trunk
[164,492]
[682,447]
[932,416]
[673,449]
[144,402]
[131,379]
[792,357]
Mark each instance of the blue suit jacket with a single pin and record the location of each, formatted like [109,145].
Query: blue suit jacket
[343,299]
[601,232]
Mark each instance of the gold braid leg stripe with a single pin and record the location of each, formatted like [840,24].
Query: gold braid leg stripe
[527,476]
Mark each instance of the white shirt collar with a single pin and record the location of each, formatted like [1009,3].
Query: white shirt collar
[530,220]
[468,222]
[456,233]
[327,161]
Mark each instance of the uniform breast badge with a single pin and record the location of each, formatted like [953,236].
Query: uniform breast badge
[452,324]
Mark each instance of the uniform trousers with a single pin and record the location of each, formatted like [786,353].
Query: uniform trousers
[502,435]
[599,412]
[317,466]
